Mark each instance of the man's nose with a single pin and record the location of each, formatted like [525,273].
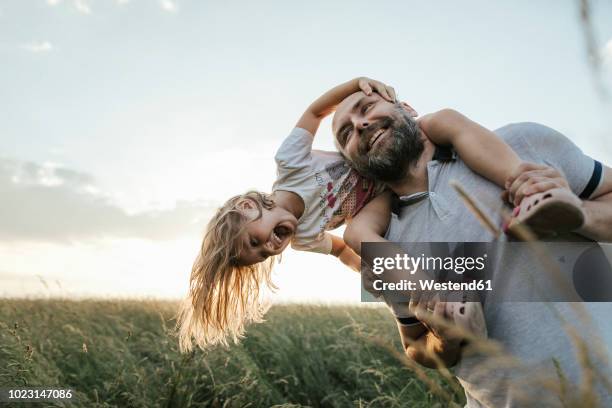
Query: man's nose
[362,124]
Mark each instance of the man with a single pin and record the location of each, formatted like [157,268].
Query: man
[431,211]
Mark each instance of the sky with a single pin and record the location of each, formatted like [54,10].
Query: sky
[125,123]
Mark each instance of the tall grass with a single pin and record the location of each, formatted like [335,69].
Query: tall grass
[123,353]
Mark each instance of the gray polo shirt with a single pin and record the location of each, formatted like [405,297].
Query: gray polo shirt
[532,333]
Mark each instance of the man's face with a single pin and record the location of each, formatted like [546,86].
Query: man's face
[378,137]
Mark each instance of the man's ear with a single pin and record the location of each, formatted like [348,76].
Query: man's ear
[409,109]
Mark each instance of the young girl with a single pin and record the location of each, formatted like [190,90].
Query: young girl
[315,191]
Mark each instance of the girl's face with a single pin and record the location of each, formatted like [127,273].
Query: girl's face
[269,235]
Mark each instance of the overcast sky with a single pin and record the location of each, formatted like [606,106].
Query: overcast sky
[124,123]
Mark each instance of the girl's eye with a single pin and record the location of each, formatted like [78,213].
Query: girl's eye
[254,242]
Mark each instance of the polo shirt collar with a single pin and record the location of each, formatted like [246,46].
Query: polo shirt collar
[441,154]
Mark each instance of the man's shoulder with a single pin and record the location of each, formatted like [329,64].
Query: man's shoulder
[521,129]
[531,137]
[531,130]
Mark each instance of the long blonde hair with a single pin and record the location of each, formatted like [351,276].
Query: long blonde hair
[224,296]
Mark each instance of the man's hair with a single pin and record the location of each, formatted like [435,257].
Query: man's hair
[224,296]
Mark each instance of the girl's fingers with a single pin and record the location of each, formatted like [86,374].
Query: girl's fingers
[505,196]
[532,171]
[391,93]
[366,88]
[546,180]
[520,194]
[521,169]
[522,181]
[540,187]
[382,91]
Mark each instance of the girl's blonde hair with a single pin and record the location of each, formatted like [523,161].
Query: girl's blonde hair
[224,296]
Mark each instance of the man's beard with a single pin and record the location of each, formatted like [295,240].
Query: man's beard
[390,163]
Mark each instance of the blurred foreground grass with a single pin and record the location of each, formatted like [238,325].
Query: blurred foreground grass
[123,353]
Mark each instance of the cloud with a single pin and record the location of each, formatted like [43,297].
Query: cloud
[38,47]
[168,5]
[82,6]
[50,203]
[606,52]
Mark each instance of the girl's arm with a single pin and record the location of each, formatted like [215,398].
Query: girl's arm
[482,150]
[370,224]
[327,103]
[345,254]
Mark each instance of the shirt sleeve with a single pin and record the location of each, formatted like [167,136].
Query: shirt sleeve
[295,151]
[321,244]
[583,173]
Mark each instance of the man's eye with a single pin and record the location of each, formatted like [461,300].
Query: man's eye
[345,135]
[365,107]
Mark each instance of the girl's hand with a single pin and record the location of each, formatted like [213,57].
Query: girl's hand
[368,85]
[531,178]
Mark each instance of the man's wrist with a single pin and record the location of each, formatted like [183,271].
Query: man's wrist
[586,225]
[453,343]
[594,227]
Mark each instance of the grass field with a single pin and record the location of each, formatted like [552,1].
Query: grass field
[123,353]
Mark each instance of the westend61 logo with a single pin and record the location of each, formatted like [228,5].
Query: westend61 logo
[412,264]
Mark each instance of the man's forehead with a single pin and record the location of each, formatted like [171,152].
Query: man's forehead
[345,106]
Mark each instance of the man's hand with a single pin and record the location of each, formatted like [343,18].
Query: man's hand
[435,316]
[531,178]
[434,346]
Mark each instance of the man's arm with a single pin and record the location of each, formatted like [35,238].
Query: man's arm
[598,211]
[429,351]
[327,103]
[430,347]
